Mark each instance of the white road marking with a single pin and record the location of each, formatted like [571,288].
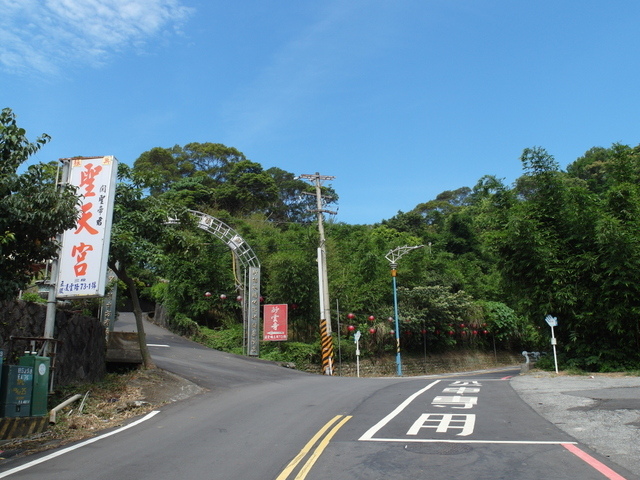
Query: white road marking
[368,435]
[75,447]
[497,442]
[373,430]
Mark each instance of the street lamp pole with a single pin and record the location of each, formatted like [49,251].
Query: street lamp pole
[393,256]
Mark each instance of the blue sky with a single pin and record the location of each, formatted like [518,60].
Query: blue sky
[398,99]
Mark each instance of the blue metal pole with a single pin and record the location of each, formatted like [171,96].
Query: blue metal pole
[395,310]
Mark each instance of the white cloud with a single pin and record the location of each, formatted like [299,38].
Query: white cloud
[47,35]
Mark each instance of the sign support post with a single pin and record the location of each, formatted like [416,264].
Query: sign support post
[553,322]
[356,338]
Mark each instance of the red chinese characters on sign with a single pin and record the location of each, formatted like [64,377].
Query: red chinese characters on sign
[275,322]
[86,187]
[85,247]
[79,252]
[83,222]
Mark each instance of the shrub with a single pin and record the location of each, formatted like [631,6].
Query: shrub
[227,340]
[301,354]
[33,297]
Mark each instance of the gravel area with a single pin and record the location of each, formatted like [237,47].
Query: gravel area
[600,411]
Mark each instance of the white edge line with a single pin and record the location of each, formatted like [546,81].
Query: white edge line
[368,435]
[502,442]
[156,345]
[76,446]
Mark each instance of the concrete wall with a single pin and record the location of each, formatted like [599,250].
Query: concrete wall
[81,348]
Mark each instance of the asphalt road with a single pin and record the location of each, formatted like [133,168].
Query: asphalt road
[261,421]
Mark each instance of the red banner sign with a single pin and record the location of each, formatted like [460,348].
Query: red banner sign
[275,323]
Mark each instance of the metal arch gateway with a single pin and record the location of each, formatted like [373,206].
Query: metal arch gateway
[248,273]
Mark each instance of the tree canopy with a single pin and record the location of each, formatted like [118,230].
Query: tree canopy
[555,242]
[33,210]
[496,260]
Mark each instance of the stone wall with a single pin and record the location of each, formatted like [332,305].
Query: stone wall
[81,348]
[455,361]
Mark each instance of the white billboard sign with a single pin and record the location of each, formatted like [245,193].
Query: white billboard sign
[85,248]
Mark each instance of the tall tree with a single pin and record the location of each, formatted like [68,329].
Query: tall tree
[246,189]
[159,167]
[33,211]
[291,203]
[138,224]
[569,249]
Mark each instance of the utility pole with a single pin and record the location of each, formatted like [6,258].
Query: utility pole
[51,283]
[323,282]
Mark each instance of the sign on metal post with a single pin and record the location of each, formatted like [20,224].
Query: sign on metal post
[553,322]
[82,268]
[275,322]
[356,338]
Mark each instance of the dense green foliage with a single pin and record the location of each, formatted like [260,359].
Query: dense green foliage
[32,210]
[496,259]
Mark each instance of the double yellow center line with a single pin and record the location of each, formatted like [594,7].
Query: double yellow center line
[323,442]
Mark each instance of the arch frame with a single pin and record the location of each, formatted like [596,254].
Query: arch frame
[247,273]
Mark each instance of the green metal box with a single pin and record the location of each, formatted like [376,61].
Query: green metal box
[40,391]
[15,391]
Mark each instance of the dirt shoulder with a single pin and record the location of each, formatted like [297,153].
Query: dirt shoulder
[106,405]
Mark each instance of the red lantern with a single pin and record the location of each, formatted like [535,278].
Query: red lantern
[371,318]
[392,332]
[390,319]
[239,298]
[475,332]
[485,331]
[207,294]
[451,332]
[351,328]
[350,316]
[261,299]
[372,331]
[223,297]
[423,331]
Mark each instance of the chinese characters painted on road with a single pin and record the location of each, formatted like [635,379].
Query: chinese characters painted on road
[451,414]
[462,424]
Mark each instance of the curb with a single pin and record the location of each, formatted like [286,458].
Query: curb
[15,427]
